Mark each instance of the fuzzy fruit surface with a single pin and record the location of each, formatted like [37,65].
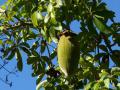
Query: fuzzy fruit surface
[68,54]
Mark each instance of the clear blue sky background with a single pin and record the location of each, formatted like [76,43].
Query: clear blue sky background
[23,80]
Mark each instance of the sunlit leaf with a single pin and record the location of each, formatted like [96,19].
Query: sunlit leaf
[115,71]
[101,26]
[59,3]
[39,78]
[107,82]
[89,85]
[53,35]
[41,84]
[118,86]
[96,86]
[47,17]
[59,27]
[36,16]
[1,28]
[50,7]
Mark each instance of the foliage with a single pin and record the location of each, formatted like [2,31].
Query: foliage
[33,27]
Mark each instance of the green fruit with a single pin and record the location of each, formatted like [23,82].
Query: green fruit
[68,53]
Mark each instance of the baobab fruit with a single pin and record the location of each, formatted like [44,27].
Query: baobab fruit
[68,53]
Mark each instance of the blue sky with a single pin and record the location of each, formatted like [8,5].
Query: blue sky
[23,80]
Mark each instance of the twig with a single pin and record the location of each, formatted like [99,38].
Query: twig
[2,66]
[10,84]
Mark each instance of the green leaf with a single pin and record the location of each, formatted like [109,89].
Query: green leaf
[50,7]
[90,26]
[39,78]
[6,52]
[19,59]
[53,54]
[104,75]
[35,45]
[39,15]
[105,62]
[20,65]
[53,35]
[46,59]
[99,55]
[53,20]
[42,49]
[116,38]
[42,66]
[43,46]
[116,57]
[118,86]
[26,50]
[43,32]
[59,3]
[9,41]
[35,53]
[35,17]
[106,14]
[103,47]
[101,26]
[46,19]
[96,86]
[41,84]
[1,28]
[32,59]
[1,42]
[115,71]
[107,82]
[89,85]
[2,10]
[25,44]
[31,35]
[59,27]
[63,87]
[11,55]
[7,33]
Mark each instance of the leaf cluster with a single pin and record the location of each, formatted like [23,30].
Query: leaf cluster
[33,28]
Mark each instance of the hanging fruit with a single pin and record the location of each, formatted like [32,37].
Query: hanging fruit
[68,53]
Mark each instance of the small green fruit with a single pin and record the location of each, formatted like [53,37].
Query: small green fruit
[68,53]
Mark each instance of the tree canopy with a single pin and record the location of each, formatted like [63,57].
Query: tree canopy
[33,27]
